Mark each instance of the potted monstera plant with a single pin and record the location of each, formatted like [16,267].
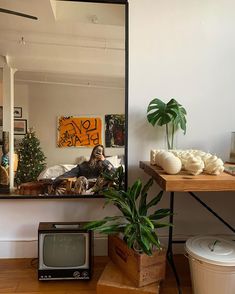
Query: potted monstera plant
[171,114]
[134,244]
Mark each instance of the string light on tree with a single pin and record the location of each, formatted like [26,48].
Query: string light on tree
[31,159]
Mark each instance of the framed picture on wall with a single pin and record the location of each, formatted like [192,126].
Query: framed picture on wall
[20,126]
[17,112]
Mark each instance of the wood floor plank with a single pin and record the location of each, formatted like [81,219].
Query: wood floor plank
[83,292]
[169,285]
[40,292]
[8,286]
[57,292]
[19,276]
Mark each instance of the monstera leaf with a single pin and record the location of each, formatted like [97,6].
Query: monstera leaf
[170,114]
[178,114]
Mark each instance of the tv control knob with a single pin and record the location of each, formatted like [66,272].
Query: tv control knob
[85,274]
[76,274]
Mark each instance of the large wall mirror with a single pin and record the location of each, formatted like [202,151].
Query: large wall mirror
[70,96]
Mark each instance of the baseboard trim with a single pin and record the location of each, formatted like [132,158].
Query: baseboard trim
[18,248]
[28,248]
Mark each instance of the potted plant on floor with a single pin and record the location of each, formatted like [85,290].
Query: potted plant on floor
[138,252]
[171,114]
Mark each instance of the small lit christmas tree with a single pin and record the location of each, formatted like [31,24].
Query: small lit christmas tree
[31,159]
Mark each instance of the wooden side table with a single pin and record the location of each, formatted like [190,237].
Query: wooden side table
[183,182]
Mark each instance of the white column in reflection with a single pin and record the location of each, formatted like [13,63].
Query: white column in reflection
[8,115]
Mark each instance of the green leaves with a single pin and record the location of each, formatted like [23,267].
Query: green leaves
[135,190]
[178,113]
[144,193]
[171,113]
[158,113]
[155,200]
[136,225]
[159,214]
[107,225]
[115,179]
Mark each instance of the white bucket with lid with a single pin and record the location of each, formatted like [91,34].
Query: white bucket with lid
[212,264]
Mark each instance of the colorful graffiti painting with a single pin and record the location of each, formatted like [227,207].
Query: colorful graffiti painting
[79,131]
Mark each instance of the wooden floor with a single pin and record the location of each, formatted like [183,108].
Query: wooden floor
[20,276]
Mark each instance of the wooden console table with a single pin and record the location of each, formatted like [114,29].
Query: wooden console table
[184,182]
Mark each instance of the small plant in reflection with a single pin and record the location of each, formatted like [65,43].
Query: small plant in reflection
[116,180]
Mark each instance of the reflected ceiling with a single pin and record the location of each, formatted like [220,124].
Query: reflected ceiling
[74,38]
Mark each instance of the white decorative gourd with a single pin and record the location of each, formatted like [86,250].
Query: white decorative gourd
[163,156]
[172,165]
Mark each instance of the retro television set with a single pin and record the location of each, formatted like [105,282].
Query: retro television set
[65,251]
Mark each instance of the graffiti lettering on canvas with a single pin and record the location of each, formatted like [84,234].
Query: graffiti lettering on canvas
[79,131]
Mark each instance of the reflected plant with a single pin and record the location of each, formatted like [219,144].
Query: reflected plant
[107,180]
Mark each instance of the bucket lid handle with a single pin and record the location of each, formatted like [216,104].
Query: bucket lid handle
[212,245]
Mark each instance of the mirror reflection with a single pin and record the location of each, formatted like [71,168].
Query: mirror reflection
[69,97]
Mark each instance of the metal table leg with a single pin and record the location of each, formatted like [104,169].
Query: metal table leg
[170,257]
[212,211]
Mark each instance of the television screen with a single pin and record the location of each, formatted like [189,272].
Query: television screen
[64,250]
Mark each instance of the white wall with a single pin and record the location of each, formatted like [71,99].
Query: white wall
[22,99]
[182,49]
[48,101]
[20,219]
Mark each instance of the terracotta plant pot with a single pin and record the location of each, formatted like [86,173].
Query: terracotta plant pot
[141,269]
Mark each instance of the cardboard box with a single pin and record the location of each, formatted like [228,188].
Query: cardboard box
[113,281]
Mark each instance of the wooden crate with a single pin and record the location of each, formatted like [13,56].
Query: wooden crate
[141,269]
[113,281]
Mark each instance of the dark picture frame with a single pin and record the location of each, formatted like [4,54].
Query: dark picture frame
[17,112]
[20,126]
[114,130]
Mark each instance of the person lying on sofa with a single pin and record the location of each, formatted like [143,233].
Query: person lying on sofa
[89,169]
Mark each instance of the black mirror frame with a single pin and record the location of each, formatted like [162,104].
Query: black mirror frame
[122,2]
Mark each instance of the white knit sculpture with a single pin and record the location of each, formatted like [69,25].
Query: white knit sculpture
[194,165]
[214,165]
[193,161]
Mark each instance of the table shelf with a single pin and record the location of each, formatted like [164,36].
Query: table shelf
[183,182]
